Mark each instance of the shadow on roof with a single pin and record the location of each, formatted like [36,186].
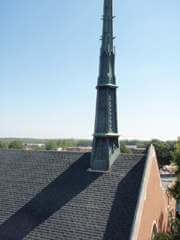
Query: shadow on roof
[123,208]
[53,197]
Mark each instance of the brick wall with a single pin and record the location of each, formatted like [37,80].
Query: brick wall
[156,205]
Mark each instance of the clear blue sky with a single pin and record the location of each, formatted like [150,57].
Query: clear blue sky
[49,53]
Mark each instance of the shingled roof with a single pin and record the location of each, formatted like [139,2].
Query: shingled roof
[52,195]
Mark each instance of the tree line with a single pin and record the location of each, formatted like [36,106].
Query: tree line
[164,149]
[44,144]
[11,145]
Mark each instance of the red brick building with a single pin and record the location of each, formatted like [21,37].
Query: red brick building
[154,203]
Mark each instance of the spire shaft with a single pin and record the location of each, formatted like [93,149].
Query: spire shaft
[107,33]
[105,142]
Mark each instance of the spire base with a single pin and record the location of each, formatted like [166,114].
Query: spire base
[105,152]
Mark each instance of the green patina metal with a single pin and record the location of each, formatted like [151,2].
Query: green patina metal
[105,143]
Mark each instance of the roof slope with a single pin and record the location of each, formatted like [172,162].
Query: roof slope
[52,195]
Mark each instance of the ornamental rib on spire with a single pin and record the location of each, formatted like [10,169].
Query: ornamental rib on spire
[105,142]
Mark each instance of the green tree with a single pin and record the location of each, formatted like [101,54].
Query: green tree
[3,145]
[176,157]
[175,189]
[16,145]
[164,151]
[51,145]
[84,143]
[164,236]
[66,143]
[124,149]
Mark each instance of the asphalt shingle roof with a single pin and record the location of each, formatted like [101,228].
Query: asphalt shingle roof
[53,196]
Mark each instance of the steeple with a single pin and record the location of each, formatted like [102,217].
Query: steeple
[105,143]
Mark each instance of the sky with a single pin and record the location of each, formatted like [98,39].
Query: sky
[49,56]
